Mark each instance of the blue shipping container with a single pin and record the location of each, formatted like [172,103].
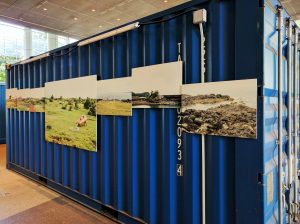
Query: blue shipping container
[133,176]
[2,113]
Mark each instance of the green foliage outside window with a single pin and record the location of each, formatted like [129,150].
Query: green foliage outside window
[5,60]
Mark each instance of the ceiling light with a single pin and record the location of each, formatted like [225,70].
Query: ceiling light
[45,9]
[165,1]
[93,10]
[118,19]
[75,18]
[100,26]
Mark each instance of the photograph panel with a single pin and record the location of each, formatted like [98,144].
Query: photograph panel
[70,112]
[31,100]
[11,98]
[226,108]
[114,97]
[157,86]
[115,104]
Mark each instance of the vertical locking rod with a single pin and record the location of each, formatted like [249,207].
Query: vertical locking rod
[295,112]
[279,174]
[289,134]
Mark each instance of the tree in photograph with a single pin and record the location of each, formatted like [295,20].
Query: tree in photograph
[51,98]
[92,111]
[87,103]
[76,106]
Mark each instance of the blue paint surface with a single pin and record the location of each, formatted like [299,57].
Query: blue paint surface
[2,114]
[134,170]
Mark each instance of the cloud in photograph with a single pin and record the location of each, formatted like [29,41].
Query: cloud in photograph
[36,93]
[165,78]
[242,90]
[83,87]
[117,87]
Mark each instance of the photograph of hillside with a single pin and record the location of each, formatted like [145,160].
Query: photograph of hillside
[31,100]
[220,108]
[11,98]
[157,86]
[70,112]
[114,97]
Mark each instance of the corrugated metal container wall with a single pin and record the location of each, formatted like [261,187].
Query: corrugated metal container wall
[133,174]
[270,123]
[2,113]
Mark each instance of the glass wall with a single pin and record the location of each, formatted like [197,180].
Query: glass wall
[18,43]
[11,46]
[39,42]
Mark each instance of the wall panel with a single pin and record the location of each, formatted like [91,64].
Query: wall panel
[133,175]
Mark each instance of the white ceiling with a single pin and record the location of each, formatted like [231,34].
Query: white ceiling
[79,18]
[293,8]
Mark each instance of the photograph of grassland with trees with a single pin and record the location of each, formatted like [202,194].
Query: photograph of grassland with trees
[31,100]
[114,97]
[115,104]
[11,98]
[70,112]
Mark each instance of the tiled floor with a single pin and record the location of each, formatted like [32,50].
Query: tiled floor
[26,202]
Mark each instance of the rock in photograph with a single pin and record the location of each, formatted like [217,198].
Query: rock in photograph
[220,108]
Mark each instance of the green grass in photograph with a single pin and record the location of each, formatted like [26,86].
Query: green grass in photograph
[11,104]
[61,116]
[114,107]
[31,105]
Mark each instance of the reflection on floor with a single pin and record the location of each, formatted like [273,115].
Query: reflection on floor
[24,201]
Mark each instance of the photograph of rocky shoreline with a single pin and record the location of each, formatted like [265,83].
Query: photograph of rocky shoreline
[154,100]
[157,86]
[220,108]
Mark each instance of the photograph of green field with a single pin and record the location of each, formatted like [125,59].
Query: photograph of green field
[11,98]
[115,105]
[70,113]
[114,97]
[31,100]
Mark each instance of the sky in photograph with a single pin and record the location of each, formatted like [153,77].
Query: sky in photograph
[117,86]
[11,92]
[73,88]
[36,93]
[242,90]
[116,96]
[166,78]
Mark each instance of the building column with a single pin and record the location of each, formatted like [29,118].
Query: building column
[52,41]
[27,43]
